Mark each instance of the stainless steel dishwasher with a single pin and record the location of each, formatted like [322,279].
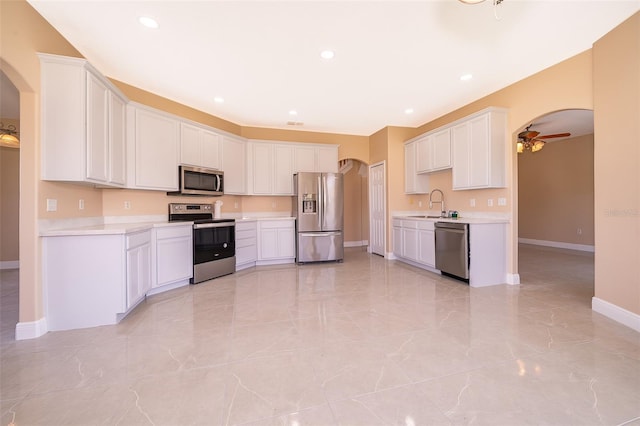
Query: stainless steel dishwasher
[452,249]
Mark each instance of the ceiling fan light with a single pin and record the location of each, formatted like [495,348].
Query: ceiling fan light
[537,146]
[520,147]
[471,1]
[8,140]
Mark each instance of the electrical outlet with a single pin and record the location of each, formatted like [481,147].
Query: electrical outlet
[419,203]
[472,202]
[52,205]
[579,231]
[235,205]
[127,205]
[502,201]
[80,204]
[273,204]
[490,202]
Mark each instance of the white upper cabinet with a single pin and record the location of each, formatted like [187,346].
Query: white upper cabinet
[271,168]
[199,147]
[153,148]
[414,183]
[315,158]
[479,150]
[83,124]
[234,165]
[434,151]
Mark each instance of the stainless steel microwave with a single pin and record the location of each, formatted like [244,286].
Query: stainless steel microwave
[199,181]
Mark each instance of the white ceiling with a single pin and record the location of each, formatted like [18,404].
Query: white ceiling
[263,57]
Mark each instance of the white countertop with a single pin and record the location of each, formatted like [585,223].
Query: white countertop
[469,220]
[110,229]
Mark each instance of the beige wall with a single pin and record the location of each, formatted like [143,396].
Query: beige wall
[555,189]
[616,82]
[9,207]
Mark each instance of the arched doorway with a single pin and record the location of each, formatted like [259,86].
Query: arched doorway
[356,202]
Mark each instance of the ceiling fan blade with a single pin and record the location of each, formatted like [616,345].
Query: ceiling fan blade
[557,135]
[528,134]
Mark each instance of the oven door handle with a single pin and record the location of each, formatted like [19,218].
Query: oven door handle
[214,225]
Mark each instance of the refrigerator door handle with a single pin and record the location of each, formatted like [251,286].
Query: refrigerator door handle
[318,234]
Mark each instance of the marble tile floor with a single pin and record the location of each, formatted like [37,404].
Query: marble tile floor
[363,342]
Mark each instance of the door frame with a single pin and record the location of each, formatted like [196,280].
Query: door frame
[384,208]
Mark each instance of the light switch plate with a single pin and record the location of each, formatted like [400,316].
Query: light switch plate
[490,202]
[502,201]
[472,202]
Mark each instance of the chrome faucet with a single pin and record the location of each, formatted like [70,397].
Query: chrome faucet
[443,211]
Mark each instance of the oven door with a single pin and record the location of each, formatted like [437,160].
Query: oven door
[213,241]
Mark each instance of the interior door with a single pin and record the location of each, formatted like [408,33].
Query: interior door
[377,209]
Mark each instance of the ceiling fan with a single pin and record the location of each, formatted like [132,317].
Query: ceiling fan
[529,140]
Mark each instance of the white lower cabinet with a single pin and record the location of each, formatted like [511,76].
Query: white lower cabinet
[426,244]
[414,242]
[173,256]
[276,241]
[246,244]
[138,266]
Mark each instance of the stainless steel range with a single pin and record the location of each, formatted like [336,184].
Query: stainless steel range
[214,246]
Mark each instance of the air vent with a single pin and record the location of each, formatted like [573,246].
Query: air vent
[295,123]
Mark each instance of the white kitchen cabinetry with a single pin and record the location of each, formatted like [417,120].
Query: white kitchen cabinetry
[234,165]
[153,149]
[93,280]
[414,242]
[172,256]
[479,150]
[199,147]
[83,124]
[276,241]
[414,183]
[271,168]
[246,244]
[138,266]
[434,151]
[426,243]
[315,158]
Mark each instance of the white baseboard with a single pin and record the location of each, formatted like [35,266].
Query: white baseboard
[513,279]
[31,330]
[9,264]
[356,243]
[616,313]
[557,244]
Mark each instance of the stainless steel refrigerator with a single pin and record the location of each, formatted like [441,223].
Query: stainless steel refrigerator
[319,209]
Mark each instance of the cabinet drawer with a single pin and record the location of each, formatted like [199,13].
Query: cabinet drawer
[426,224]
[245,242]
[137,239]
[411,224]
[173,232]
[245,226]
[245,233]
[280,224]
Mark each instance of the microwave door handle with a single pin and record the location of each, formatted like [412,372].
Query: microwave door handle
[219,182]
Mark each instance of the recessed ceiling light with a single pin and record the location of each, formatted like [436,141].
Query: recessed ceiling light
[218,100]
[408,111]
[466,77]
[148,22]
[327,54]
[293,112]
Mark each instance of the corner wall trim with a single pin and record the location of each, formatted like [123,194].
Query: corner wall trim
[9,264]
[513,279]
[558,244]
[31,330]
[616,313]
